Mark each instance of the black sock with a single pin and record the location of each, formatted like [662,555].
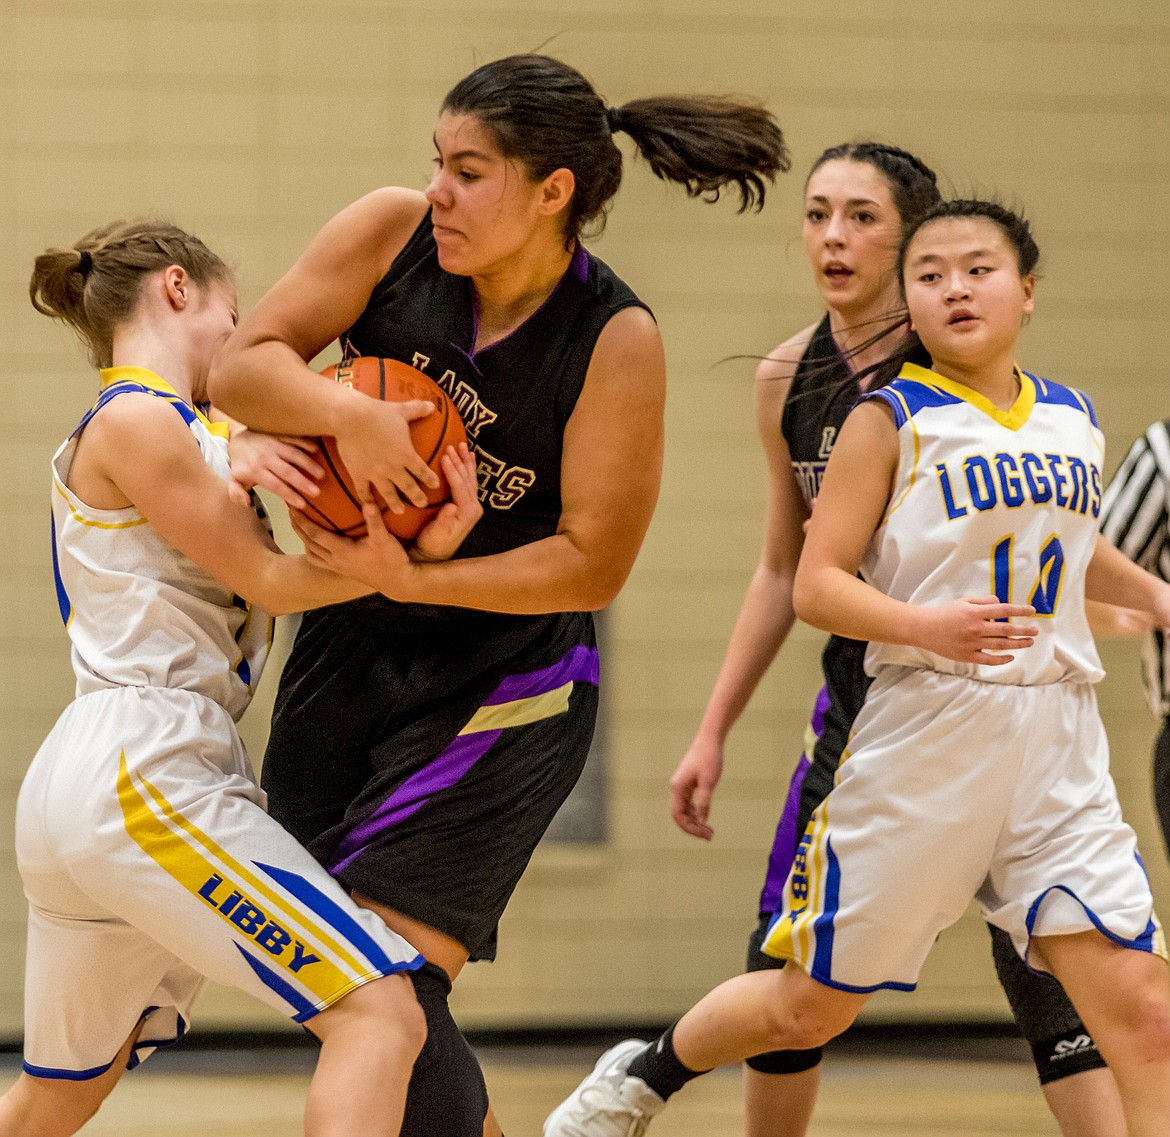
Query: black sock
[658,1066]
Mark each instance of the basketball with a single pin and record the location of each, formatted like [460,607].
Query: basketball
[338,507]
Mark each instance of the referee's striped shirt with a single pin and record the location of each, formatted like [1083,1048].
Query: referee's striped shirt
[1134,518]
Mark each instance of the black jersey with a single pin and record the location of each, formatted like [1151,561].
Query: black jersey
[515,395]
[420,751]
[822,393]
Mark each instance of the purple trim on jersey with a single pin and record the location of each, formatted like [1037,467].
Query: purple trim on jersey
[580,664]
[787,838]
[578,267]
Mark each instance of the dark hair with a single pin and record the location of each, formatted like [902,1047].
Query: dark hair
[1013,226]
[94,284]
[913,184]
[914,188]
[547,115]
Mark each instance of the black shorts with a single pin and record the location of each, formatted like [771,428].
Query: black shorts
[423,768]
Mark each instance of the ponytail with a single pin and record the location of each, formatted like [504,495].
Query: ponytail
[547,116]
[94,284]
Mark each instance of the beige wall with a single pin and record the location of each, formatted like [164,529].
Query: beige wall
[251,122]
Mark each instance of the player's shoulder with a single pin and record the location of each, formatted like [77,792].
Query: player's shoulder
[139,420]
[780,364]
[913,390]
[375,226]
[389,205]
[1050,393]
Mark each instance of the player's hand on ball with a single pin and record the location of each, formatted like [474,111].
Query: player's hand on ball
[377,559]
[284,464]
[378,452]
[443,535]
[976,629]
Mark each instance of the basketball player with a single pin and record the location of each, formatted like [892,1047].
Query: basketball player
[141,837]
[978,766]
[1134,517]
[423,739]
[858,198]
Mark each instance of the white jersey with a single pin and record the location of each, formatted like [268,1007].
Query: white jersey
[992,502]
[138,612]
[141,837]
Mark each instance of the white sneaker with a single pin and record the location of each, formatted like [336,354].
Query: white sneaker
[608,1103]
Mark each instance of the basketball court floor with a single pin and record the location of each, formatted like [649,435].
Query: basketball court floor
[868,1090]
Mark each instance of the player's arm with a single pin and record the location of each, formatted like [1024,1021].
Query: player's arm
[189,506]
[1133,510]
[766,615]
[261,376]
[850,507]
[1111,622]
[1112,578]
[611,467]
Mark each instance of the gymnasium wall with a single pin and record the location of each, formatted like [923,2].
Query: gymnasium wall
[252,121]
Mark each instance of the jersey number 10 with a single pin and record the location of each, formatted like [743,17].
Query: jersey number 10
[1046,589]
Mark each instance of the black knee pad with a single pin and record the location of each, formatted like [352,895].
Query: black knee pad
[786,1061]
[447,1096]
[1045,1015]
[1066,1054]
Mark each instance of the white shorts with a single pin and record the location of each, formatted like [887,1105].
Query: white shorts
[951,790]
[149,863]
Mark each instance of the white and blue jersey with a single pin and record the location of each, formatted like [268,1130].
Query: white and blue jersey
[138,612]
[966,781]
[992,502]
[147,858]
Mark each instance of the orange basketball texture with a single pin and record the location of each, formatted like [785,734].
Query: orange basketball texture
[338,507]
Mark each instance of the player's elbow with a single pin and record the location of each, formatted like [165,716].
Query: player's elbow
[224,374]
[807,597]
[599,590]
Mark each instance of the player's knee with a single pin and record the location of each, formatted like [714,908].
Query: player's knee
[1139,1020]
[1149,1025]
[385,1011]
[802,1014]
[397,1002]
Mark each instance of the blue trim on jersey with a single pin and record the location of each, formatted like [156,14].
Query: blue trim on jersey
[63,603]
[305,1010]
[822,963]
[907,397]
[333,914]
[1142,942]
[66,1075]
[155,1043]
[1059,395]
[854,990]
[126,386]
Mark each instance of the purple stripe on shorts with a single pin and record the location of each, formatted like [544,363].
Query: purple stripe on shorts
[580,664]
[447,769]
[820,709]
[786,840]
[784,846]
